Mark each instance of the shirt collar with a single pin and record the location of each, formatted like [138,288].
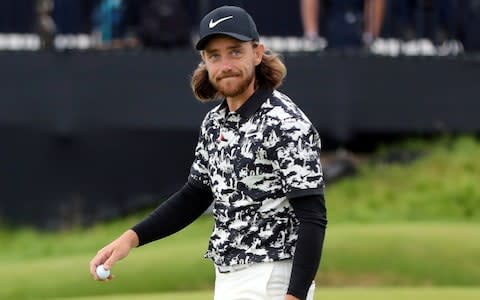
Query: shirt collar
[251,105]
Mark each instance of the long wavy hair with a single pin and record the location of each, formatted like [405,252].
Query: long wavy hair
[268,74]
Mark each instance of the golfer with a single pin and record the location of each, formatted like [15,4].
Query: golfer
[258,161]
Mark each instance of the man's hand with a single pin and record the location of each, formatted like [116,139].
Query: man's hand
[290,297]
[114,252]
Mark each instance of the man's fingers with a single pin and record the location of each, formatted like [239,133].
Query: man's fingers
[99,259]
[92,270]
[108,264]
[109,255]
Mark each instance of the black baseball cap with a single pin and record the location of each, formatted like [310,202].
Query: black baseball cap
[227,20]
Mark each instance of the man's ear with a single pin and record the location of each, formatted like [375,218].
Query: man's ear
[259,51]
[202,55]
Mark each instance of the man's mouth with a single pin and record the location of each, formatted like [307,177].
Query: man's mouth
[227,76]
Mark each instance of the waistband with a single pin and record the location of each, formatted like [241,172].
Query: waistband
[234,268]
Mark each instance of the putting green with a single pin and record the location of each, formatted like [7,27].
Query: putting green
[429,293]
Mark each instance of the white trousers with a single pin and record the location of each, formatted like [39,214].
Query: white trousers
[261,281]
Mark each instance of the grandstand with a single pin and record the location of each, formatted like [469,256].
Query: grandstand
[87,109]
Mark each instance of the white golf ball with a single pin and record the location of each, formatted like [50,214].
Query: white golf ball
[102,273]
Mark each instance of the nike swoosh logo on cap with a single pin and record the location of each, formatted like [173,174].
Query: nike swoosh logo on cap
[215,23]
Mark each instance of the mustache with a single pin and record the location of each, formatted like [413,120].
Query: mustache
[227,74]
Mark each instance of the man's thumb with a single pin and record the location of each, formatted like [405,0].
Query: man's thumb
[108,264]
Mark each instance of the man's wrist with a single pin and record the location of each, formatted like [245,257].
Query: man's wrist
[132,238]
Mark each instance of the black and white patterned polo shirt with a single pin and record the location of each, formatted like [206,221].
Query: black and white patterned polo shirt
[252,160]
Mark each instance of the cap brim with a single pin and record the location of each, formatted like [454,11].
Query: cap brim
[203,41]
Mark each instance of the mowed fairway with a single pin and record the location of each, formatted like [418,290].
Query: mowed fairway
[445,293]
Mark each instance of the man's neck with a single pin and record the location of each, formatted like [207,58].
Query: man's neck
[234,103]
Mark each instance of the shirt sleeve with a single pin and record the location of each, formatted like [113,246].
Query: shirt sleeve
[178,211]
[312,215]
[298,159]
[199,169]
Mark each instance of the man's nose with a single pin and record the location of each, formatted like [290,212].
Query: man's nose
[226,64]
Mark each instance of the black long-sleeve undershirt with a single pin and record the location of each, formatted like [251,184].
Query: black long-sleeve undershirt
[186,205]
[178,211]
[312,215]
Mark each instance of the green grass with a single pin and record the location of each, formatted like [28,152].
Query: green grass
[42,264]
[441,185]
[408,254]
[401,254]
[326,294]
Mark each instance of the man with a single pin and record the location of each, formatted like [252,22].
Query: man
[347,23]
[258,160]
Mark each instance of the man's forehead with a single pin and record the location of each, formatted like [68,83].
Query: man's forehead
[223,41]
